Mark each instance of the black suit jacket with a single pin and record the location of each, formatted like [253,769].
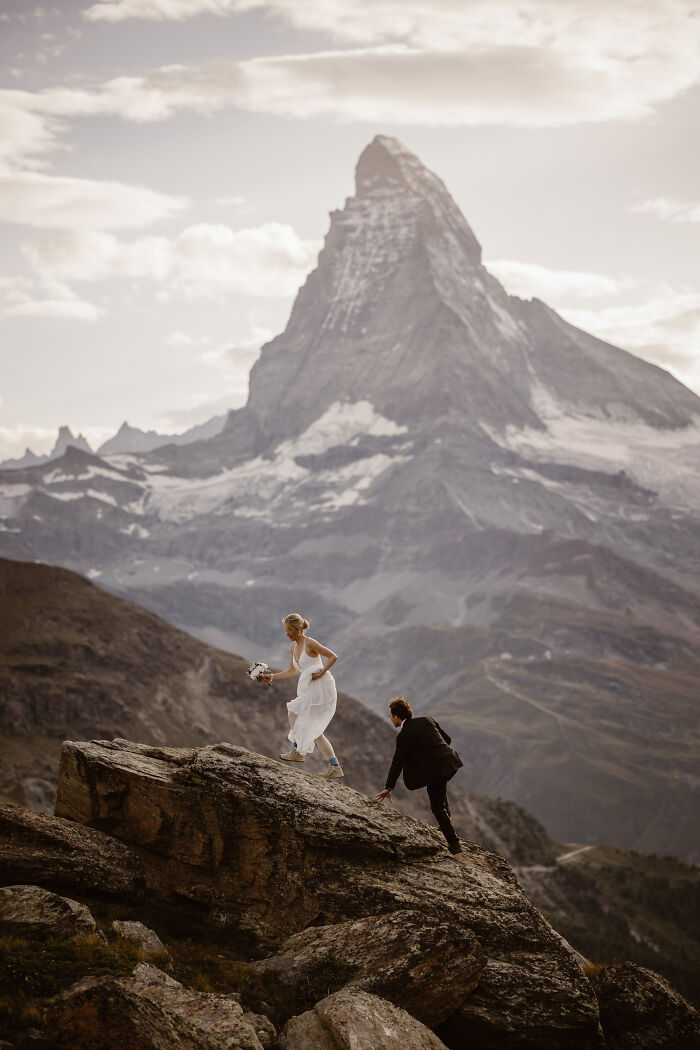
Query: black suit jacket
[424,754]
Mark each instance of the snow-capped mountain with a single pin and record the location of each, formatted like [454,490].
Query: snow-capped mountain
[477,503]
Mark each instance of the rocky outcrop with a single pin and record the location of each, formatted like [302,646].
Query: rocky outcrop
[271,850]
[35,913]
[426,966]
[639,1010]
[355,1020]
[62,855]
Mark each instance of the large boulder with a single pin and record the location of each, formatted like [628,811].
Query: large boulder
[147,1011]
[409,957]
[513,1005]
[220,1017]
[355,1020]
[639,1010]
[122,1018]
[61,855]
[36,913]
[275,850]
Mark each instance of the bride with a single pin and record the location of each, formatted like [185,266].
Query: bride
[314,705]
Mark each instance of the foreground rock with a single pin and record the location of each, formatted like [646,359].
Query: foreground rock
[122,1018]
[273,851]
[35,913]
[46,851]
[220,1017]
[148,1010]
[355,1020]
[412,959]
[639,1010]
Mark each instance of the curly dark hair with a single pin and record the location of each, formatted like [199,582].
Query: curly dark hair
[400,707]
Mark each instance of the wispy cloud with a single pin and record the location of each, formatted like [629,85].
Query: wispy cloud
[607,61]
[432,62]
[178,339]
[72,309]
[204,261]
[36,199]
[553,286]
[665,329]
[669,210]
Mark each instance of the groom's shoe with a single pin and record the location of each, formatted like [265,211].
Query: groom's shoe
[332,772]
[292,756]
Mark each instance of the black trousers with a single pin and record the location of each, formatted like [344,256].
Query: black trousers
[437,793]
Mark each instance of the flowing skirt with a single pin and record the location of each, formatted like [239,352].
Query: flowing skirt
[314,706]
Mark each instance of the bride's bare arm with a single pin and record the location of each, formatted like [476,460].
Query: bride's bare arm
[289,673]
[315,648]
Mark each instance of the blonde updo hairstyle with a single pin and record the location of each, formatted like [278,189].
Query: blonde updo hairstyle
[296,621]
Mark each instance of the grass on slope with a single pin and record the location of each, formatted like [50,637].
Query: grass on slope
[650,913]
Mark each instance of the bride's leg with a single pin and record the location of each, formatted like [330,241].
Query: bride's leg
[326,748]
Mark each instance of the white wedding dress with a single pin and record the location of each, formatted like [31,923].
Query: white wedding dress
[314,704]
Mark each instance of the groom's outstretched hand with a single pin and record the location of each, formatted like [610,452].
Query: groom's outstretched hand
[386,793]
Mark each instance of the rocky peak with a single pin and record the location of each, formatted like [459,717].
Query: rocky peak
[386,167]
[66,440]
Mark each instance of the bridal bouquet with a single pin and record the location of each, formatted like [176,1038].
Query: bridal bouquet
[256,669]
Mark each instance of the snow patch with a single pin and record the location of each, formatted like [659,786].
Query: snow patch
[57,477]
[251,489]
[339,425]
[135,530]
[92,574]
[666,462]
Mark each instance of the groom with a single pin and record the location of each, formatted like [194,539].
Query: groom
[427,760]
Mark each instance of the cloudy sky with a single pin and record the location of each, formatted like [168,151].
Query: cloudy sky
[167,168]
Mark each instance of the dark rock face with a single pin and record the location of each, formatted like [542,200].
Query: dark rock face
[640,1011]
[274,850]
[425,966]
[62,855]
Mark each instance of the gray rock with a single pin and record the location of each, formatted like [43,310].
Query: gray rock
[513,1007]
[149,1011]
[355,1020]
[263,1028]
[122,1017]
[639,1010]
[148,941]
[275,851]
[413,959]
[36,913]
[62,855]
[219,1017]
